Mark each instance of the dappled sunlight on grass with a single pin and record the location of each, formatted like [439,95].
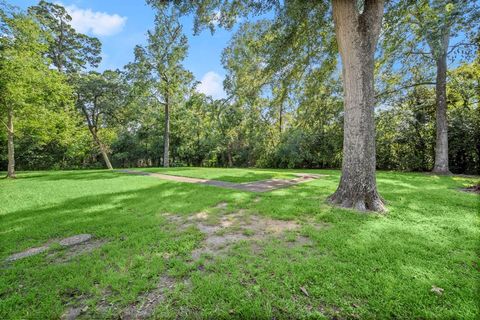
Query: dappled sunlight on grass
[385,265]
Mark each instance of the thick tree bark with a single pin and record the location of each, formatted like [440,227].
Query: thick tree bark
[11,146]
[441,146]
[357,35]
[166,138]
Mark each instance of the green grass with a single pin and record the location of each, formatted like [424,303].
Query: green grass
[225,174]
[362,266]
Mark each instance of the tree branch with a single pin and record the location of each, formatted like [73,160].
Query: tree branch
[404,87]
[460,45]
[8,129]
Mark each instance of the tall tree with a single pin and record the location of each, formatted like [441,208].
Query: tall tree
[100,98]
[357,29]
[25,77]
[425,35]
[158,67]
[68,50]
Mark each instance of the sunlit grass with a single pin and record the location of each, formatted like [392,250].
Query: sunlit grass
[361,265]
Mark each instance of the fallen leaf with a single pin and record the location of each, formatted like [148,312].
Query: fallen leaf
[305,292]
[437,290]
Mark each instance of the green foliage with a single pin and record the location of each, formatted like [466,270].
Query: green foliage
[283,106]
[464,115]
[417,33]
[68,50]
[45,125]
[406,133]
[157,70]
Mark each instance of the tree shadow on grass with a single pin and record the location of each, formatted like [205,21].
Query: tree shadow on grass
[386,262]
[68,175]
[109,213]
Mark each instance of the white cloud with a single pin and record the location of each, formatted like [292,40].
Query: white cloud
[212,85]
[95,22]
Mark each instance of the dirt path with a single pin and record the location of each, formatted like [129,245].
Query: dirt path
[255,186]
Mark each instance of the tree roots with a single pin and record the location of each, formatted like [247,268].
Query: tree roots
[360,201]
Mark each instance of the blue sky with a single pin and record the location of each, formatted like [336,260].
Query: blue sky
[122,24]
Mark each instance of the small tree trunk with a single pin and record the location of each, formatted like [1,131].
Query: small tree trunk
[280,118]
[102,148]
[166,138]
[357,35]
[105,155]
[441,145]
[229,156]
[11,147]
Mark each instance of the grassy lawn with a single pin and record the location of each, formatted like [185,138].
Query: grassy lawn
[225,174]
[355,266]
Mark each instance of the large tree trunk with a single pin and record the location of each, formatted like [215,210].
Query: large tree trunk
[441,146]
[357,35]
[11,147]
[166,138]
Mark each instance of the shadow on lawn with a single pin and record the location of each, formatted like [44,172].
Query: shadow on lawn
[69,175]
[108,214]
[363,256]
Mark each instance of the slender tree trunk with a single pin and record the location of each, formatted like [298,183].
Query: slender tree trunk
[11,146]
[441,146]
[280,118]
[166,137]
[357,35]
[229,156]
[103,150]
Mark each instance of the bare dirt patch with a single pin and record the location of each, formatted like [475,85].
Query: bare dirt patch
[28,253]
[72,313]
[76,250]
[74,245]
[300,241]
[147,302]
[74,240]
[472,189]
[221,205]
[221,233]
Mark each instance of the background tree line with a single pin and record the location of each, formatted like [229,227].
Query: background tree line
[284,105]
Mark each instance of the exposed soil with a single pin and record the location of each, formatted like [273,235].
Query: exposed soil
[72,313]
[472,189]
[76,250]
[28,253]
[147,302]
[74,240]
[231,228]
[221,231]
[76,244]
